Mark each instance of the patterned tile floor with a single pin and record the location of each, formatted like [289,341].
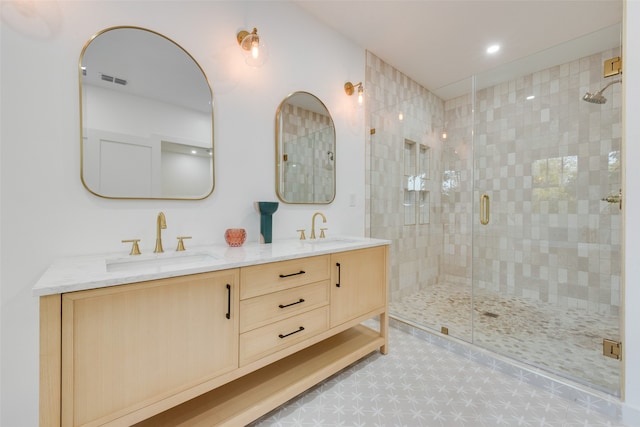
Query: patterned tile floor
[567,342]
[422,384]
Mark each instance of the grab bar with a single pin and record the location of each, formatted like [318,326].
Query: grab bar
[485,209]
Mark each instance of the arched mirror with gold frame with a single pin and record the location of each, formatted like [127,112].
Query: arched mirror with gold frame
[305,151]
[146,117]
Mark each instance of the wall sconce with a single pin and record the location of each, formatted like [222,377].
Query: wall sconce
[254,50]
[349,89]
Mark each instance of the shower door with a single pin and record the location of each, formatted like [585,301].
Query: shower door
[493,203]
[427,217]
[546,248]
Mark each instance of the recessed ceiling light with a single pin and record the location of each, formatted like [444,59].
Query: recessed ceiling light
[530,97]
[493,48]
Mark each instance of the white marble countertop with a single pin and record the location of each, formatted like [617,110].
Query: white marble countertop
[99,271]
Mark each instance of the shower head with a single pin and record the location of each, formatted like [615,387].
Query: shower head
[598,98]
[594,98]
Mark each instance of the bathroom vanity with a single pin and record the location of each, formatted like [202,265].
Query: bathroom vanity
[211,336]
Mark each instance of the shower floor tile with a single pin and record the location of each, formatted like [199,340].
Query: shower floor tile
[566,342]
[421,384]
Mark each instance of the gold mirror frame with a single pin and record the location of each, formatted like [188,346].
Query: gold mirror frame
[146,118]
[305,151]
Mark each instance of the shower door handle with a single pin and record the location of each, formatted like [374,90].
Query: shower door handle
[485,209]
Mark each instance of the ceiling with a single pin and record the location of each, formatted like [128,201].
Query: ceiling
[439,43]
[150,65]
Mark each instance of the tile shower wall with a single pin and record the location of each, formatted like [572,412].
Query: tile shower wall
[403,175]
[545,163]
[306,178]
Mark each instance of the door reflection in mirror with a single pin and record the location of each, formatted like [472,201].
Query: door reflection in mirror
[146,118]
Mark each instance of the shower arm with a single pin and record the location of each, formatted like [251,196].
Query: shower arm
[609,84]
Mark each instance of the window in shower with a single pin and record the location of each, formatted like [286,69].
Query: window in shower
[614,166]
[450,182]
[555,185]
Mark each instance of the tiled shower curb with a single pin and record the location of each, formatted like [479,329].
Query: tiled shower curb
[589,399]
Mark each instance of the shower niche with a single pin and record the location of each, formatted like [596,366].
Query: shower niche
[416,199]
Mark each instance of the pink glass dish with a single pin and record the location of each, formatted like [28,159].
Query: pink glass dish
[235,236]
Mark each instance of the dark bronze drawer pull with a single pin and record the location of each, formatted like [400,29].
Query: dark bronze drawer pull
[228,315]
[338,265]
[291,333]
[293,303]
[292,274]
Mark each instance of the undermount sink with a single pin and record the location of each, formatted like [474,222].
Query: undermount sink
[163,261]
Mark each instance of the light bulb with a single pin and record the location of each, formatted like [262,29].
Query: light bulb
[255,48]
[360,95]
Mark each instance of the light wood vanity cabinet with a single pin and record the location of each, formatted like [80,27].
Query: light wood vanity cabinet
[282,304]
[359,285]
[218,348]
[124,347]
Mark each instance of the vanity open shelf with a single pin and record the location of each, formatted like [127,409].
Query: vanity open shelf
[222,345]
[246,399]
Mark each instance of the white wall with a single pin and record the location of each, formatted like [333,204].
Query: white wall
[631,186]
[47,213]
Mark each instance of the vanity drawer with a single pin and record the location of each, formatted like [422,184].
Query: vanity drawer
[263,341]
[259,311]
[266,278]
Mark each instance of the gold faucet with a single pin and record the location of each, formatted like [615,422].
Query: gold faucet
[313,224]
[161,223]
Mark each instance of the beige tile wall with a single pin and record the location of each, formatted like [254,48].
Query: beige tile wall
[545,163]
[401,111]
[307,178]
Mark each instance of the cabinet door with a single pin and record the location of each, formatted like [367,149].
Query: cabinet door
[358,283]
[128,346]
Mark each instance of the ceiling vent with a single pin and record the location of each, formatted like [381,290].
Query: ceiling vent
[112,79]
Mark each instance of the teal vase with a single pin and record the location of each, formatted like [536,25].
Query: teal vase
[266,209]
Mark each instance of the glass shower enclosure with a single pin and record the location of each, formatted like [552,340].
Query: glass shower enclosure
[493,201]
